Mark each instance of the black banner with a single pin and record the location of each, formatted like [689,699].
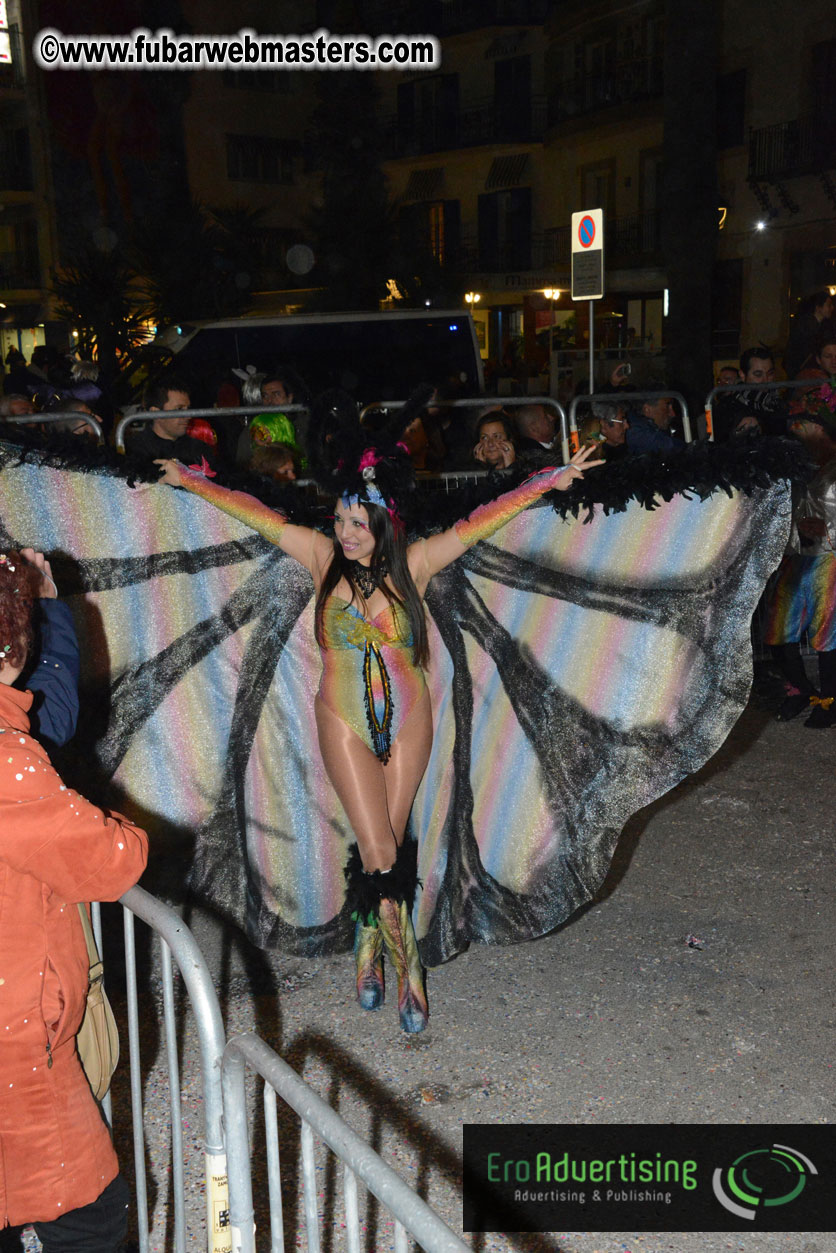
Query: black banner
[649,1177]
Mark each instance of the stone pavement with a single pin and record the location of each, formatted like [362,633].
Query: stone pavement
[613,1018]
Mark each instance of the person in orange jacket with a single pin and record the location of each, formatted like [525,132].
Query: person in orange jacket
[58,1169]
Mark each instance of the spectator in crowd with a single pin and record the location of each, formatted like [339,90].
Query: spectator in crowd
[619,379]
[277,387]
[813,319]
[803,595]
[822,367]
[14,405]
[83,385]
[58,1169]
[613,424]
[728,376]
[536,428]
[276,461]
[273,428]
[448,430]
[26,380]
[822,364]
[167,435]
[752,411]
[649,429]
[495,441]
[283,386]
[71,426]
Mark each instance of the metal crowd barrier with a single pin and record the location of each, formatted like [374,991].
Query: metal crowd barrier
[504,402]
[809,385]
[44,419]
[229,1199]
[625,398]
[412,1215]
[176,939]
[237,411]
[475,402]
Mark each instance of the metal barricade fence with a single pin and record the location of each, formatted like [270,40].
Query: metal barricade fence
[625,398]
[473,402]
[47,419]
[228,1199]
[411,1214]
[175,939]
[730,389]
[506,402]
[144,416]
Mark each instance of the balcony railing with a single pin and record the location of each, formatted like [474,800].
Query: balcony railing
[475,122]
[806,145]
[631,241]
[632,81]
[634,238]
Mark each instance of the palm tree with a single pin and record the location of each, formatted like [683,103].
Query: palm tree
[98,294]
[353,235]
[198,263]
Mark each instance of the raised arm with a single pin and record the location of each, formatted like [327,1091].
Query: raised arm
[488,518]
[302,543]
[54,679]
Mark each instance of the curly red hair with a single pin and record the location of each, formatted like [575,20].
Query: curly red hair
[17,592]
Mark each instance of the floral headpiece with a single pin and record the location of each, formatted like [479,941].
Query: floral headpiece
[372,494]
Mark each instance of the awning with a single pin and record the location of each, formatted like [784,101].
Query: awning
[507,171]
[425,184]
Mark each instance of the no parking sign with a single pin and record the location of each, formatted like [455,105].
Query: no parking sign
[588,254]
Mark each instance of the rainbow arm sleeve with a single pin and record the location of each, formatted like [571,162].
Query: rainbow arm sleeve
[253,513]
[489,517]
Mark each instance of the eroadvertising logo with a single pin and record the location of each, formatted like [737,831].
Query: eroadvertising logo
[649,1177]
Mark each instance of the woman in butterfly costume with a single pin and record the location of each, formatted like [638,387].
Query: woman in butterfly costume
[373,714]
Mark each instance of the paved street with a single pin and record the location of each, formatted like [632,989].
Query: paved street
[614,1018]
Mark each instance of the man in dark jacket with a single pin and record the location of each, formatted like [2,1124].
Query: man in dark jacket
[166,436]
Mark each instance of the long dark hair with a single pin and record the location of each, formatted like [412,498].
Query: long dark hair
[398,588]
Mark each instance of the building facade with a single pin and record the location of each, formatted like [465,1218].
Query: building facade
[27,217]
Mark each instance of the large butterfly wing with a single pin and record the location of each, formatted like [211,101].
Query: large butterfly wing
[586,669]
[580,669]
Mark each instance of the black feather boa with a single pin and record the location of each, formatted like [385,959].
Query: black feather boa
[698,469]
[366,889]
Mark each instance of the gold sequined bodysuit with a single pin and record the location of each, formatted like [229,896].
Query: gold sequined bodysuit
[369,679]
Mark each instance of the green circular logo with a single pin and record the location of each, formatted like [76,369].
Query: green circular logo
[761,1179]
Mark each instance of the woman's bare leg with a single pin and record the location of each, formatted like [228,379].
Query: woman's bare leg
[358,779]
[406,765]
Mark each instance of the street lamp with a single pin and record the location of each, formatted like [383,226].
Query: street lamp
[552,294]
[473,297]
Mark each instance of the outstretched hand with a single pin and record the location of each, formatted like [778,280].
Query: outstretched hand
[171,473]
[46,588]
[576,466]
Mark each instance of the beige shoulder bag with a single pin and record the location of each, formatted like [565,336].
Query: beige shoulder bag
[98,1037]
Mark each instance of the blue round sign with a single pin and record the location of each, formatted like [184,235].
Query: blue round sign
[586,231]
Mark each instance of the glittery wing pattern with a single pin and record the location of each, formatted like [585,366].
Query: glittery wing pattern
[586,669]
[579,670]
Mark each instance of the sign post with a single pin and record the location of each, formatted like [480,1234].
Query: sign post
[588,269]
